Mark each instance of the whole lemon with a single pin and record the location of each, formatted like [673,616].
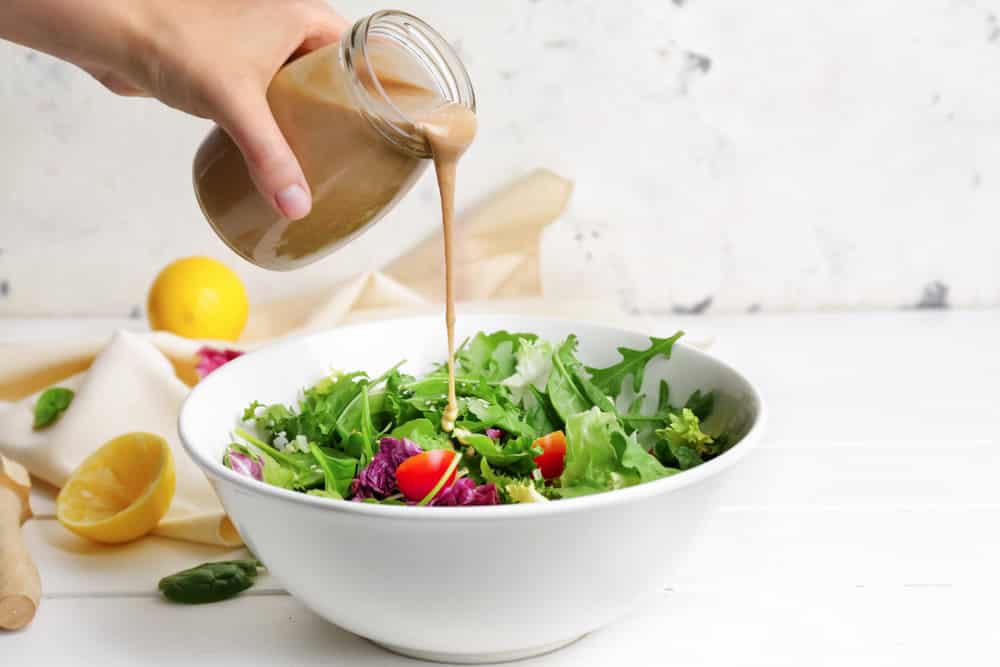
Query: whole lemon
[198,297]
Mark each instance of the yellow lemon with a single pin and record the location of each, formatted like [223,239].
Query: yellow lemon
[198,297]
[121,491]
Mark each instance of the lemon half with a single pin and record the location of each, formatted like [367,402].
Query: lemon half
[121,491]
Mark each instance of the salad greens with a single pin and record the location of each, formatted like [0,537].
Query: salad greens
[535,424]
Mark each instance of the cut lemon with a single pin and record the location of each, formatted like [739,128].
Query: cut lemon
[198,297]
[121,491]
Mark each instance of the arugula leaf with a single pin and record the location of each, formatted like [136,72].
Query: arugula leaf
[701,404]
[423,432]
[516,454]
[50,406]
[633,363]
[320,408]
[539,413]
[683,441]
[643,426]
[396,393]
[494,415]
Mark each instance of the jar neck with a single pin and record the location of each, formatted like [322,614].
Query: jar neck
[424,49]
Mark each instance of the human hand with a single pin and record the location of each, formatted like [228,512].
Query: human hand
[211,59]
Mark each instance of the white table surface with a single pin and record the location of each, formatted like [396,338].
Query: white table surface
[864,532]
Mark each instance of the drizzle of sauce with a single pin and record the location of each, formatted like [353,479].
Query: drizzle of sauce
[449,131]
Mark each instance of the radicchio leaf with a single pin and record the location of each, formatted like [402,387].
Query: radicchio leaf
[465,492]
[495,434]
[244,464]
[210,359]
[378,479]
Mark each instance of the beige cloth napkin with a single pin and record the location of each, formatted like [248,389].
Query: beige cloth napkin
[137,381]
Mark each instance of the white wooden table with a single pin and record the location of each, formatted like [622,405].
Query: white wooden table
[866,531]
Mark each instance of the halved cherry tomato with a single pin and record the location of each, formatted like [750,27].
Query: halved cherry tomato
[417,475]
[552,460]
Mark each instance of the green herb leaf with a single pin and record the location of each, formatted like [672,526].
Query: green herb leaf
[210,582]
[50,406]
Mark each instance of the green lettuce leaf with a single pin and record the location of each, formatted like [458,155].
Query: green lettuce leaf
[591,460]
[683,441]
[491,357]
[636,460]
[534,364]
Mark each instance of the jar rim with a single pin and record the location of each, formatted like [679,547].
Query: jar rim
[426,46]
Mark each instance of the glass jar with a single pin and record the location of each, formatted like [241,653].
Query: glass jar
[346,111]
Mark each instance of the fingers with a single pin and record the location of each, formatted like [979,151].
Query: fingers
[272,165]
[324,26]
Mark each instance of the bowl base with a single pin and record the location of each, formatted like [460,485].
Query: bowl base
[477,658]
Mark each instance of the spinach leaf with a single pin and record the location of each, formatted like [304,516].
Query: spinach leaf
[210,582]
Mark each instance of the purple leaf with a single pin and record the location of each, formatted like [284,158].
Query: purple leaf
[465,492]
[210,359]
[378,479]
[495,434]
[249,466]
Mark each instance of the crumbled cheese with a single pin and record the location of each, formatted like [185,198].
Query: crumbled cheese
[281,440]
[301,443]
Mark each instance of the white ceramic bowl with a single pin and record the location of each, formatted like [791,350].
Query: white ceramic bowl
[463,584]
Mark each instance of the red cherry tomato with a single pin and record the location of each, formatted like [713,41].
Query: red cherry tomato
[417,475]
[552,460]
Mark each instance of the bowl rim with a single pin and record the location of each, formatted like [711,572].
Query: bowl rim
[606,499]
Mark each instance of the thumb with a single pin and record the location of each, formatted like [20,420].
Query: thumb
[273,166]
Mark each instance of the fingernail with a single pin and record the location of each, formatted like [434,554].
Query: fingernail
[293,202]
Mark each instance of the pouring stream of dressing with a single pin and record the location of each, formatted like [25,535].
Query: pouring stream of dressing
[449,130]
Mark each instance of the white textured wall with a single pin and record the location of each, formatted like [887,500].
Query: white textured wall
[784,155]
